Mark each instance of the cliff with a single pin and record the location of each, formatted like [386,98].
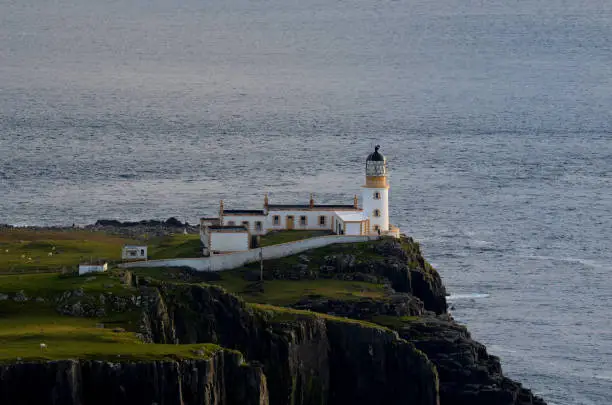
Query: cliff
[307,358]
[219,380]
[349,324]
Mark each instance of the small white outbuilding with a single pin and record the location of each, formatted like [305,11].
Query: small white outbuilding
[134,252]
[92,268]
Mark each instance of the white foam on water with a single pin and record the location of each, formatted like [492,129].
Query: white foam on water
[586,262]
[477,242]
[606,376]
[454,297]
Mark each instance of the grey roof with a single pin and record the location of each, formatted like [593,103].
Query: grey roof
[228,227]
[272,207]
[242,212]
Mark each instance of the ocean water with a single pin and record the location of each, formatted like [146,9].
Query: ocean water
[495,117]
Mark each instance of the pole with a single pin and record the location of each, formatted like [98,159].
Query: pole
[261,264]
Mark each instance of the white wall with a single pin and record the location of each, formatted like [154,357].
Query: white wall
[229,241]
[353,228]
[251,219]
[233,260]
[312,219]
[84,268]
[370,204]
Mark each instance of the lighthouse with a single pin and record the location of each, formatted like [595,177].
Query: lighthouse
[375,194]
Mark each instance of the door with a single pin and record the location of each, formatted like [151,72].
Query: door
[289,221]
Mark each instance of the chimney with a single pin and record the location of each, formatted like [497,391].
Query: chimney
[311,200]
[266,201]
[221,212]
[355,202]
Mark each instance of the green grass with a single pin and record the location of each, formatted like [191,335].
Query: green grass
[25,250]
[277,237]
[47,285]
[157,273]
[80,338]
[286,292]
[178,245]
[281,314]
[394,322]
[24,325]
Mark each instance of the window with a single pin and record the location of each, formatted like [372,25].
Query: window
[376,227]
[141,252]
[377,213]
[246,224]
[322,220]
[303,220]
[377,195]
[276,219]
[258,225]
[231,223]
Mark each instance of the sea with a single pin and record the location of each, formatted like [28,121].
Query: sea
[495,117]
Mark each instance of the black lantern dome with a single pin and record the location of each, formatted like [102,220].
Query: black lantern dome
[376,156]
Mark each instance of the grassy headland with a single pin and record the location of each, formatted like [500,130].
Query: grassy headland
[40,307]
[26,250]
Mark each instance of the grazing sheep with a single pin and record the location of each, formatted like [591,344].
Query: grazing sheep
[43,346]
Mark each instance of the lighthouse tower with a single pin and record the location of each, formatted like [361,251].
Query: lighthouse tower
[376,192]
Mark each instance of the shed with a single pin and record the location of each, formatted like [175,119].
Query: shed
[350,223]
[134,252]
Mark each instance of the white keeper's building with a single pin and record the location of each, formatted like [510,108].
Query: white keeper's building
[232,231]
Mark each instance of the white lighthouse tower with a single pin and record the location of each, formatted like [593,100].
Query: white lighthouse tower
[375,195]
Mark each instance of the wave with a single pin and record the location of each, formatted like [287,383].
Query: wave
[585,262]
[454,297]
[606,377]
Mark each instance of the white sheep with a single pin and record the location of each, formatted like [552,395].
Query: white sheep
[43,346]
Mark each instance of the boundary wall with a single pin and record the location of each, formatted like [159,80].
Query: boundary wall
[230,261]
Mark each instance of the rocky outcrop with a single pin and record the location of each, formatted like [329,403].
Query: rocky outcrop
[307,359]
[468,374]
[146,227]
[220,380]
[155,323]
[397,263]
[77,303]
[404,264]
[373,366]
[395,304]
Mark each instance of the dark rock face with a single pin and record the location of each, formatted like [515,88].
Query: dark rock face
[406,266]
[468,374]
[220,380]
[396,304]
[307,360]
[170,222]
[402,266]
[137,229]
[372,366]
[155,324]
